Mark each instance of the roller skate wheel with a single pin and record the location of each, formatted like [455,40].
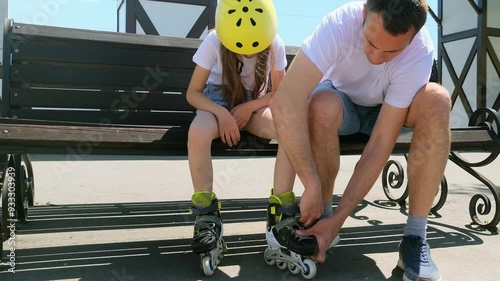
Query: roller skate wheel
[268,260]
[310,271]
[281,264]
[206,265]
[293,268]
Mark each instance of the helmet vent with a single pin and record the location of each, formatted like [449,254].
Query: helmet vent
[231,11]
[239,45]
[259,10]
[255,44]
[238,23]
[253,22]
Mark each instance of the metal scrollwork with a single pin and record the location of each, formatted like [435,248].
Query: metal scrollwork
[392,180]
[487,118]
[442,195]
[483,208]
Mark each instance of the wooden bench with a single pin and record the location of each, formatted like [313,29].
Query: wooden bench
[71,91]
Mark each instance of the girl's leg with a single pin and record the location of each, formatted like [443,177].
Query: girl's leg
[261,124]
[282,208]
[208,230]
[202,132]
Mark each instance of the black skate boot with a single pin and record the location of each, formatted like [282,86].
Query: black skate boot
[285,248]
[208,231]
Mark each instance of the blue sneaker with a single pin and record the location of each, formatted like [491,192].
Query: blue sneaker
[415,259]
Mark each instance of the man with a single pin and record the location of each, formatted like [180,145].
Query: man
[374,61]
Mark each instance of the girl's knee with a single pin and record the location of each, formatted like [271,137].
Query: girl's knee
[202,131]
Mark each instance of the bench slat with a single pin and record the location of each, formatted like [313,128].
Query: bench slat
[85,52]
[58,98]
[21,135]
[113,117]
[90,76]
[99,76]
[26,32]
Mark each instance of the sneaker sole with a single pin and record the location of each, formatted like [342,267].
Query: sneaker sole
[335,241]
[402,267]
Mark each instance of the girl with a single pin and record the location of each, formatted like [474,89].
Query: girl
[229,89]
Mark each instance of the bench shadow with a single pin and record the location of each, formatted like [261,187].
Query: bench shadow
[171,259]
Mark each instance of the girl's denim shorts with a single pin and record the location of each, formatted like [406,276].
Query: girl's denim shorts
[215,93]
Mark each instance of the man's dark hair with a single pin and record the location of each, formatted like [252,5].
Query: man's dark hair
[399,15]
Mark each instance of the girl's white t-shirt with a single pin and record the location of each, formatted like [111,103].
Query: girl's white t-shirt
[336,47]
[208,57]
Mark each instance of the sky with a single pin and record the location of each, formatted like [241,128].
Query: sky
[296,18]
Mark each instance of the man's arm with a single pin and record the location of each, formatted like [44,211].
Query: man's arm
[373,159]
[289,108]
[366,172]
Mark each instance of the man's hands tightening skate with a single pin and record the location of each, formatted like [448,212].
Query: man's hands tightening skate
[325,231]
[311,207]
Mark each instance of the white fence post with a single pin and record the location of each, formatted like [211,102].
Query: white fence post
[4,13]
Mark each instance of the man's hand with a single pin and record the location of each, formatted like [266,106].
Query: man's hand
[324,231]
[311,206]
[242,113]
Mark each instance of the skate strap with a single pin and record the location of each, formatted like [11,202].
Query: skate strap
[290,210]
[207,220]
[201,211]
[290,223]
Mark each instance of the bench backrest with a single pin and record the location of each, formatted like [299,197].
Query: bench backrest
[75,75]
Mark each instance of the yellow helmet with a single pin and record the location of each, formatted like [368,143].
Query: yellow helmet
[246,26]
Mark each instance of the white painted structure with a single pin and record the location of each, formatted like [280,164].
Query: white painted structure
[164,17]
[4,13]
[475,30]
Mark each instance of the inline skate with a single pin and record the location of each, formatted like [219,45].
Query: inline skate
[285,248]
[208,231]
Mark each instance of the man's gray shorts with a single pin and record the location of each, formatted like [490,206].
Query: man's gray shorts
[357,118]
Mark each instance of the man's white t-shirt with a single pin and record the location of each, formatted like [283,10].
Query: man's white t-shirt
[336,47]
[208,57]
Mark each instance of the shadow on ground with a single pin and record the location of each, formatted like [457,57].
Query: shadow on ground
[172,259]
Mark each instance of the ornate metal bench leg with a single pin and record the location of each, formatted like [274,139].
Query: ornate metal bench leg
[30,180]
[489,119]
[393,180]
[443,194]
[21,188]
[483,209]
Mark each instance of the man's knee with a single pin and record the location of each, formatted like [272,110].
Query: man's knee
[439,98]
[325,108]
[431,105]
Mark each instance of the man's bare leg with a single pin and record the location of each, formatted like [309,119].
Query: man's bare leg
[325,117]
[429,116]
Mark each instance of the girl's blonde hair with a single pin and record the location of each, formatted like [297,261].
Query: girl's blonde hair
[232,87]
